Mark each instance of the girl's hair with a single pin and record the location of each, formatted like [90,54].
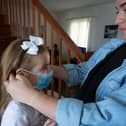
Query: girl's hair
[13,58]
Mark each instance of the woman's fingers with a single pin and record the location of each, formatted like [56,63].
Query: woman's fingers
[20,77]
[6,83]
[18,87]
[23,73]
[11,77]
[50,122]
[47,122]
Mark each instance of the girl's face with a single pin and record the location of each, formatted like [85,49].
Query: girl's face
[40,65]
[121,16]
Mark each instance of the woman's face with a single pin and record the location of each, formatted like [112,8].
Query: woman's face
[121,16]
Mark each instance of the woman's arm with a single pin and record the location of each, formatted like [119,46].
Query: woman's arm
[21,90]
[69,112]
[108,112]
[72,74]
[43,103]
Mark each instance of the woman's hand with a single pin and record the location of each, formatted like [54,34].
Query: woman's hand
[50,122]
[18,87]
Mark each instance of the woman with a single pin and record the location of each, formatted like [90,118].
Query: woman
[102,99]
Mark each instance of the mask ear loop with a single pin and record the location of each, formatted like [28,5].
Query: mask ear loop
[29,74]
[27,71]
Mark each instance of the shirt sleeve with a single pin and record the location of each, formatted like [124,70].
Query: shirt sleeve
[76,73]
[108,112]
[14,117]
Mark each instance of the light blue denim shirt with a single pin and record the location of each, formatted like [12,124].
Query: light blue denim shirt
[110,106]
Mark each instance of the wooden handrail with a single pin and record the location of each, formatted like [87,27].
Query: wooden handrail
[64,36]
[20,13]
[45,31]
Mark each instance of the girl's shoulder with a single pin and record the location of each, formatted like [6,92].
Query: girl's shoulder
[16,111]
[19,107]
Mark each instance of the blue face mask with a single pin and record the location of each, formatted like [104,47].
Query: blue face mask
[43,80]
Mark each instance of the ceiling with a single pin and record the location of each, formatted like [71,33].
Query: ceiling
[60,5]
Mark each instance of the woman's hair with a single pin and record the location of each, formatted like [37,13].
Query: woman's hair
[13,58]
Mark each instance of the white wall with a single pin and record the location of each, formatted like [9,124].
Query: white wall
[101,15]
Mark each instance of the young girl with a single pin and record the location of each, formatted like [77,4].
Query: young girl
[31,59]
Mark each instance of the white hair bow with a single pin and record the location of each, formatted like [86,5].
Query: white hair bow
[32,45]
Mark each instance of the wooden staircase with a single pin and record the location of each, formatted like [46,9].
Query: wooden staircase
[5,33]
[25,17]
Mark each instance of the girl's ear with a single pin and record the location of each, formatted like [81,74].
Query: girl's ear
[32,78]
[22,72]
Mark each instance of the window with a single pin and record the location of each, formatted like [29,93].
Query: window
[79,31]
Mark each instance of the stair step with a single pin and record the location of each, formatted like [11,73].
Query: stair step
[7,38]
[3,19]
[5,30]
[4,42]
